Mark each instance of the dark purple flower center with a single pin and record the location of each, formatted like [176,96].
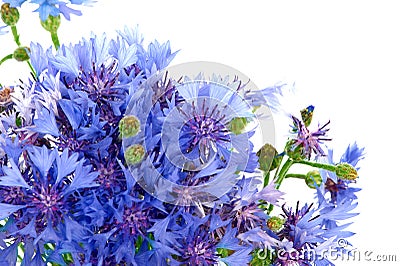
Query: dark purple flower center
[203,130]
[248,217]
[48,202]
[12,195]
[201,251]
[135,221]
[335,188]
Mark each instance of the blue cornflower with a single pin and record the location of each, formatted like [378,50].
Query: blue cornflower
[158,57]
[308,142]
[15,3]
[198,241]
[341,190]
[305,237]
[38,195]
[203,120]
[334,193]
[191,154]
[242,206]
[51,7]
[124,230]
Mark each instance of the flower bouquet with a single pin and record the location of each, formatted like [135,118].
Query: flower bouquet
[109,156]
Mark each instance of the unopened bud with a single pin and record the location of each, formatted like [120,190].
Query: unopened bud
[346,171]
[51,24]
[295,152]
[9,15]
[21,54]
[134,154]
[129,126]
[275,223]
[307,114]
[313,178]
[267,158]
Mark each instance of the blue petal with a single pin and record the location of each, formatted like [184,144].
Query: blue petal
[8,255]
[126,55]
[42,158]
[48,234]
[230,241]
[239,258]
[29,229]
[15,3]
[66,164]
[46,123]
[13,177]
[12,147]
[66,11]
[96,51]
[72,112]
[8,209]
[66,61]
[39,59]
[84,178]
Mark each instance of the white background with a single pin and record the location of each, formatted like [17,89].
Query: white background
[344,57]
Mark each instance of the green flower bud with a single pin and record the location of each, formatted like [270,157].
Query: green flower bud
[129,126]
[51,24]
[296,153]
[307,114]
[275,223]
[346,171]
[267,158]
[312,178]
[9,15]
[21,54]
[237,125]
[134,154]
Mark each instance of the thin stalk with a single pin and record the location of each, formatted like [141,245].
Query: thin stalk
[32,69]
[15,35]
[282,174]
[324,166]
[300,176]
[266,178]
[7,57]
[56,41]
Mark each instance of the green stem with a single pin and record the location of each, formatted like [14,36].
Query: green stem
[266,178]
[282,174]
[324,166]
[17,41]
[32,69]
[300,176]
[15,34]
[56,41]
[7,57]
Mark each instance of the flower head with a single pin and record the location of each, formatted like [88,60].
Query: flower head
[38,196]
[305,235]
[340,189]
[307,142]
[52,7]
